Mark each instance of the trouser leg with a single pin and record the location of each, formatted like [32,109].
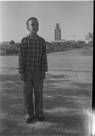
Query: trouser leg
[28,97]
[38,92]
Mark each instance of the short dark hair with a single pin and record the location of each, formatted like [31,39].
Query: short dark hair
[31,18]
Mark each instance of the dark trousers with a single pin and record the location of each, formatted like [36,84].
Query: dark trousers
[33,86]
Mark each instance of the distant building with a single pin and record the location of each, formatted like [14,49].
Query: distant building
[7,43]
[57,33]
[63,40]
[72,41]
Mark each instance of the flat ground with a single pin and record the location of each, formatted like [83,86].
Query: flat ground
[67,96]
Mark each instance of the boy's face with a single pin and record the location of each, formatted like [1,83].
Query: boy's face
[33,26]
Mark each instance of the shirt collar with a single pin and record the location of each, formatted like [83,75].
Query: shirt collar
[32,37]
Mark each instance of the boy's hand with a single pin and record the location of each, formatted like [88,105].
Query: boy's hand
[23,77]
[42,75]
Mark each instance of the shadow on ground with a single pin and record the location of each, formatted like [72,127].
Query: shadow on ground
[63,107]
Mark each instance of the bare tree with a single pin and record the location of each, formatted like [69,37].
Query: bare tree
[89,37]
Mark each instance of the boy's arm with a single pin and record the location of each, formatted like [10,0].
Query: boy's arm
[21,59]
[44,66]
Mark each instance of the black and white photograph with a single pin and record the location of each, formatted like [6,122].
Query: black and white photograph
[46,68]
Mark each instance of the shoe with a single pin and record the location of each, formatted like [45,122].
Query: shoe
[42,118]
[30,120]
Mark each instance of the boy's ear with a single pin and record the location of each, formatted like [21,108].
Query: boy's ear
[27,27]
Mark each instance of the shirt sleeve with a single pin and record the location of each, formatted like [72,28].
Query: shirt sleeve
[22,57]
[44,65]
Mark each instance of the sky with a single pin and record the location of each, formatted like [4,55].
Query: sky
[75,19]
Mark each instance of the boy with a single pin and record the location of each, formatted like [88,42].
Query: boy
[32,66]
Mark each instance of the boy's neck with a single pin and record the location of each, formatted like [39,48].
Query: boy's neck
[33,34]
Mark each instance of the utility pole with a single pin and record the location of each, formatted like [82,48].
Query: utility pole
[74,37]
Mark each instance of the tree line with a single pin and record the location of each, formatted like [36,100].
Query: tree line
[12,48]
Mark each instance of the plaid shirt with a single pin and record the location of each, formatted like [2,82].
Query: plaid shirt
[32,56]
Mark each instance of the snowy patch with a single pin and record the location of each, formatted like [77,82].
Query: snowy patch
[40,125]
[2,115]
[71,131]
[47,96]
[60,110]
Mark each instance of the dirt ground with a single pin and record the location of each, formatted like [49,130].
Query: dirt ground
[67,99]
